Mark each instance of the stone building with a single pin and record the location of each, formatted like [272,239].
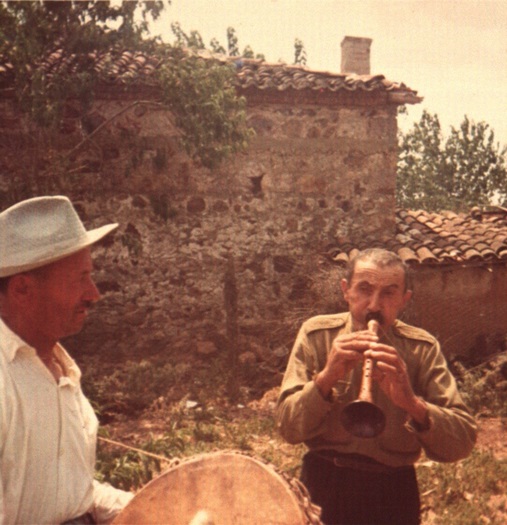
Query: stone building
[317,181]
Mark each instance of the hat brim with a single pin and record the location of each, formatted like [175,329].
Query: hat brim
[61,251]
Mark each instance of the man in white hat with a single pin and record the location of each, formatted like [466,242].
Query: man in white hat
[48,429]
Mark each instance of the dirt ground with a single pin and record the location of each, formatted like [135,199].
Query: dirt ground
[492,433]
[493,436]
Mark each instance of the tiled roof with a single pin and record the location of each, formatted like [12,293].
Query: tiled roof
[264,76]
[119,69]
[441,238]
[126,68]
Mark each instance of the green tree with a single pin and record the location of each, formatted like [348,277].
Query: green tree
[192,40]
[233,47]
[200,93]
[232,42]
[32,31]
[299,52]
[468,168]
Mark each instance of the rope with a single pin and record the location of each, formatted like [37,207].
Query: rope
[134,449]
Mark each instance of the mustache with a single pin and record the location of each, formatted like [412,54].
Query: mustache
[374,316]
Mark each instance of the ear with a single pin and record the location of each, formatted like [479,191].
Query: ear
[21,288]
[345,289]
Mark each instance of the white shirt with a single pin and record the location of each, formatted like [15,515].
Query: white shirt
[48,436]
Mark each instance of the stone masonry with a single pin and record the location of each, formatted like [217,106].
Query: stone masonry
[314,173]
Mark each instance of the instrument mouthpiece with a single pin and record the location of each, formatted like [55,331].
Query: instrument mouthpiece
[374,316]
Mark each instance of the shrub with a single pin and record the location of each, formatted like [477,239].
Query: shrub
[130,388]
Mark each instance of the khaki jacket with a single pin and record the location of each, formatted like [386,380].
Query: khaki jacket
[305,416]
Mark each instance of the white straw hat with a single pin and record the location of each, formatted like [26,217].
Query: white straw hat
[42,230]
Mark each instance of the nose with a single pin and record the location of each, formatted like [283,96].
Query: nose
[92,293]
[374,305]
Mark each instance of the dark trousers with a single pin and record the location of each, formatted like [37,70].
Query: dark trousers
[372,495]
[85,519]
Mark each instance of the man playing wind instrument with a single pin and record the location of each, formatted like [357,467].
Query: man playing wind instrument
[370,478]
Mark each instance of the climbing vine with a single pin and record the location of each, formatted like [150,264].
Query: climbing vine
[200,93]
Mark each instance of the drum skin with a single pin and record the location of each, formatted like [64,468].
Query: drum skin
[231,489]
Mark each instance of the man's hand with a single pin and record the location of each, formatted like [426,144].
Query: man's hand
[391,374]
[346,351]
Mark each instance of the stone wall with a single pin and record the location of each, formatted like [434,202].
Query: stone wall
[465,307]
[312,175]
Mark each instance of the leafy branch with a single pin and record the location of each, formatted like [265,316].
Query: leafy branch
[468,168]
[201,95]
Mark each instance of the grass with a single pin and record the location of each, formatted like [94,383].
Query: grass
[470,492]
[193,432]
[484,387]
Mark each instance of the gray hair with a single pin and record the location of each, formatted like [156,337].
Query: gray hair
[382,258]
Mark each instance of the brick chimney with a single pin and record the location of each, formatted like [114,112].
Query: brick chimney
[356,55]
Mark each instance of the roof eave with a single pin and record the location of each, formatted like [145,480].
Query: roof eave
[404,97]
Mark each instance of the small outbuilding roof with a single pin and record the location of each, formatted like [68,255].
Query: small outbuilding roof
[445,238]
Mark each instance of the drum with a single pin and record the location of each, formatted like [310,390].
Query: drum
[221,488]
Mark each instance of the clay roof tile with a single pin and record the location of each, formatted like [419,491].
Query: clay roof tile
[425,255]
[250,73]
[459,238]
[407,255]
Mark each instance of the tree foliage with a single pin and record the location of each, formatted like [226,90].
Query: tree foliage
[31,31]
[299,52]
[200,93]
[207,109]
[468,168]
